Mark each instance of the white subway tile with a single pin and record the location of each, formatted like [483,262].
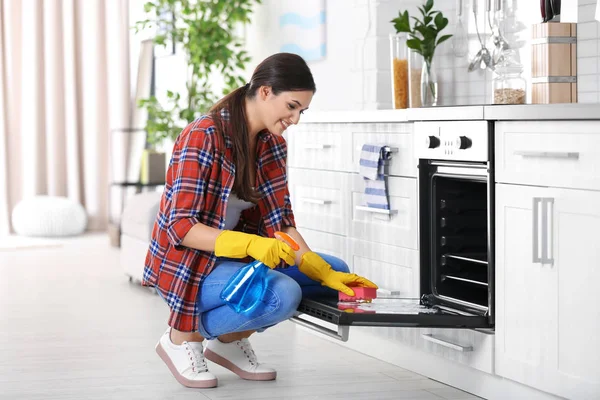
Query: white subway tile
[587,66]
[587,48]
[586,13]
[587,83]
[591,97]
[587,30]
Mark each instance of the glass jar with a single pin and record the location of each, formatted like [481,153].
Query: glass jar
[415,70]
[399,67]
[509,87]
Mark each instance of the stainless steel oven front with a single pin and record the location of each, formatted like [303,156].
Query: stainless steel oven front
[456,209]
[455,160]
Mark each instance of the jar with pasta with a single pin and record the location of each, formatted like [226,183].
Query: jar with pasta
[399,58]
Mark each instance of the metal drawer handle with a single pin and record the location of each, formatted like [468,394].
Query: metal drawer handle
[376,210]
[341,334]
[548,231]
[549,154]
[535,251]
[316,146]
[430,338]
[315,201]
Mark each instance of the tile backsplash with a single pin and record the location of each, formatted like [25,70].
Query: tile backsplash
[457,85]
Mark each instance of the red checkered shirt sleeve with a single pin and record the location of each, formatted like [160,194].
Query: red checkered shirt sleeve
[192,162]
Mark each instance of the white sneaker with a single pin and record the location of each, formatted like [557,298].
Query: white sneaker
[239,358]
[186,362]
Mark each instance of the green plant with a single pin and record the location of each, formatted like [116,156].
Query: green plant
[423,35]
[205,31]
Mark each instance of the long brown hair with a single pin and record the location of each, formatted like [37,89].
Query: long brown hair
[283,72]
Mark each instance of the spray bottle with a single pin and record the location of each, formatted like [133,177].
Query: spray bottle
[247,286]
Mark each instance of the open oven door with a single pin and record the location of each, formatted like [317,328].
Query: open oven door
[384,311]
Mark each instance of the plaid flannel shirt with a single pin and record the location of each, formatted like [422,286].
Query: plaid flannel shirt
[199,180]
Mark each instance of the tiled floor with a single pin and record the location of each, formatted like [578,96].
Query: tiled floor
[73,327]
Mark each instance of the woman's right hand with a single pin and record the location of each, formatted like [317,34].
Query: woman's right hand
[239,245]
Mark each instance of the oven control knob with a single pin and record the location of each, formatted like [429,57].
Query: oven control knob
[462,142]
[432,142]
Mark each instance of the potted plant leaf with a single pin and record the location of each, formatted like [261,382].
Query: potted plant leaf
[423,38]
[207,34]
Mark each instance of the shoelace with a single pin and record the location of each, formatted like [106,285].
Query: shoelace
[248,351]
[196,357]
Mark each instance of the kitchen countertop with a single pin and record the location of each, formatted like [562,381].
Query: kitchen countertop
[530,112]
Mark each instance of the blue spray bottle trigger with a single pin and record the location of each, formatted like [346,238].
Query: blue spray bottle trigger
[246,288]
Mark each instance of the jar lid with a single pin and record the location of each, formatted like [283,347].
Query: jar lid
[508,64]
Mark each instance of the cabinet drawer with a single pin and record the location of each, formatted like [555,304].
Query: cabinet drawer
[327,243]
[319,199]
[397,229]
[468,347]
[390,267]
[555,154]
[397,136]
[319,146]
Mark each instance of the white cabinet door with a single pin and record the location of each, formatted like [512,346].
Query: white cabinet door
[327,243]
[390,267]
[547,302]
[548,153]
[399,228]
[320,199]
[319,146]
[575,250]
[464,346]
[398,137]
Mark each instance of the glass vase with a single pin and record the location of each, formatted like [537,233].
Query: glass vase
[429,85]
[399,67]
[415,69]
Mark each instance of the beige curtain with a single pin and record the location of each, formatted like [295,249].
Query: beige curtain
[64,84]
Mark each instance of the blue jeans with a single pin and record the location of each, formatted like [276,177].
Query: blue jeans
[285,289]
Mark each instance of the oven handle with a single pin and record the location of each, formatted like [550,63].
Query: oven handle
[341,334]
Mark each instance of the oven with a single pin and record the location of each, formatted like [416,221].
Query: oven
[456,241]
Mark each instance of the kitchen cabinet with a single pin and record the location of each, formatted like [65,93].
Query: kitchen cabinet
[320,199]
[549,153]
[398,226]
[547,301]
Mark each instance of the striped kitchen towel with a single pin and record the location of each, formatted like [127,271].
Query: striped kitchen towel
[373,158]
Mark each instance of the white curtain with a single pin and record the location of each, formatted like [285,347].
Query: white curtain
[64,84]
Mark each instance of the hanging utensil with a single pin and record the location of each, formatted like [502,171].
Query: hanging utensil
[460,41]
[499,42]
[483,58]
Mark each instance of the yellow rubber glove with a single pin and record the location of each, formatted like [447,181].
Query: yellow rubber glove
[313,266]
[239,245]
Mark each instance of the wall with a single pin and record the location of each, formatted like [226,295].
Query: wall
[355,74]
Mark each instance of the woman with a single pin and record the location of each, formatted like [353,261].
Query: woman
[225,196]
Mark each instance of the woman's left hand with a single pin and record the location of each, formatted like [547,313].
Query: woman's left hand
[317,269]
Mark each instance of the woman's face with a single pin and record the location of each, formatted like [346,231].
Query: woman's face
[283,110]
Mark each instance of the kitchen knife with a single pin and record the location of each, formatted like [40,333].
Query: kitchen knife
[556,8]
[543,9]
[549,13]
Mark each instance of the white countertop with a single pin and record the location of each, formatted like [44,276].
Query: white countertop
[532,112]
